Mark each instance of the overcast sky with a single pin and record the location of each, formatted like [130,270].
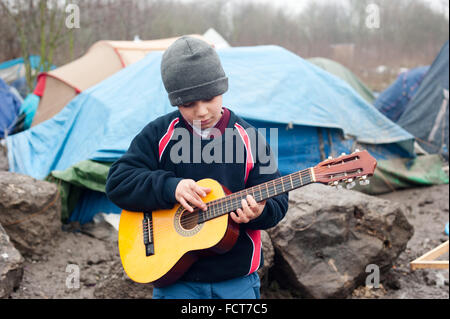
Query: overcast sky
[295,6]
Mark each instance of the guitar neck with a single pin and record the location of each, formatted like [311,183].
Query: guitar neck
[232,202]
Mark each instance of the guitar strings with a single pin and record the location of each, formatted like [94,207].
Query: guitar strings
[229,199]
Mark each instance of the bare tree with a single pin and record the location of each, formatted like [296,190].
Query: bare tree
[410,33]
[40,27]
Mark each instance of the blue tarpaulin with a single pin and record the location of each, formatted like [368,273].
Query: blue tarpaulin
[427,114]
[392,102]
[266,83]
[13,72]
[34,62]
[9,109]
[90,204]
[28,109]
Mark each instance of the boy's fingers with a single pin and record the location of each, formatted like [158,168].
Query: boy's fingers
[186,205]
[195,200]
[248,209]
[236,218]
[207,190]
[244,204]
[251,201]
[241,215]
[202,191]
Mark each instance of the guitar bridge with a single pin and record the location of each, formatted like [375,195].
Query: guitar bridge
[147,227]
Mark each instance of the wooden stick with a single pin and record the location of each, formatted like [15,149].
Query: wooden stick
[434,264]
[428,260]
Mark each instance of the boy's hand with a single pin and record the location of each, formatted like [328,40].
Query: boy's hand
[250,210]
[188,193]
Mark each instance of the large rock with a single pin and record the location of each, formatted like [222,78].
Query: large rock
[11,265]
[30,212]
[329,237]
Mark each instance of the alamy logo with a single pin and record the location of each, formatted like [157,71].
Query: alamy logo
[373,16]
[73,19]
[236,145]
[73,279]
[373,279]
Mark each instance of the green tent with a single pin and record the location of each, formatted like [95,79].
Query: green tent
[401,173]
[345,74]
[87,174]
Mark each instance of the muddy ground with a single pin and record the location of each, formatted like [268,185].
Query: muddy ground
[91,252]
[427,209]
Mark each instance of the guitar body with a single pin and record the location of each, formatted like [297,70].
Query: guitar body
[176,247]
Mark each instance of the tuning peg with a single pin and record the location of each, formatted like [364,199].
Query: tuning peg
[356,150]
[335,183]
[330,157]
[364,182]
[350,185]
[350,180]
[343,154]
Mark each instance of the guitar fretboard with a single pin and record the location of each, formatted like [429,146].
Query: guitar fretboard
[259,192]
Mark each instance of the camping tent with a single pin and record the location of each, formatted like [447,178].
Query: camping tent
[426,115]
[345,74]
[264,87]
[392,101]
[215,38]
[13,72]
[306,119]
[103,59]
[9,108]
[314,115]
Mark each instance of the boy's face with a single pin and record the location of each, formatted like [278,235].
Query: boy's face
[206,112]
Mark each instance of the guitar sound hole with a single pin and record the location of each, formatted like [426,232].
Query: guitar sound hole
[189,220]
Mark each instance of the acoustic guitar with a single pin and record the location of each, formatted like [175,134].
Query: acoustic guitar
[158,247]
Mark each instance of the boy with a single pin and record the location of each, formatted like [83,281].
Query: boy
[151,176]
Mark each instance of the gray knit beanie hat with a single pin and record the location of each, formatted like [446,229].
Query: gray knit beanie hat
[191,71]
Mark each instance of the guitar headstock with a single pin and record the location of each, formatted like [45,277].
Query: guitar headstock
[358,165]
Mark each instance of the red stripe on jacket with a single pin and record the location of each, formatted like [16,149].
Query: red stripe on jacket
[166,137]
[255,237]
[249,163]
